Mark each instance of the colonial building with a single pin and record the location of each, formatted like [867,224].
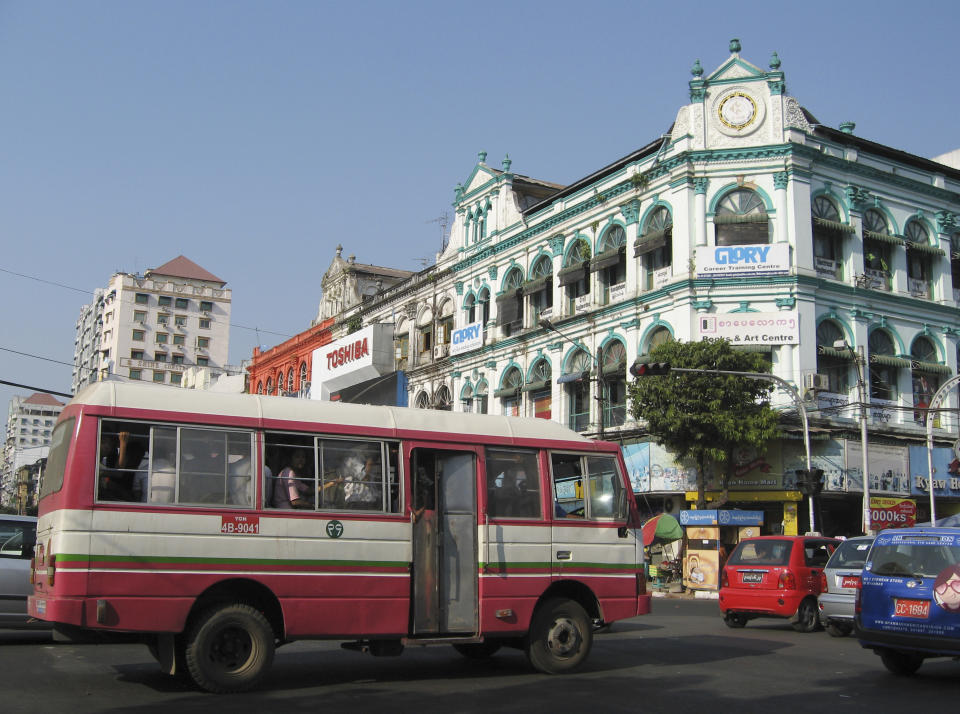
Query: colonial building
[154,326]
[835,256]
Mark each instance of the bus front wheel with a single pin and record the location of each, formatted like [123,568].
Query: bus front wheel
[229,648]
[560,637]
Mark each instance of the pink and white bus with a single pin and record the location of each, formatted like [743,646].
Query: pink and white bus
[216,527]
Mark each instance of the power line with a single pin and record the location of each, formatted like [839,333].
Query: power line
[35,389]
[91,292]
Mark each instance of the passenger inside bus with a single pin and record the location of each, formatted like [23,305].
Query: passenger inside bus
[291,489]
[362,478]
[156,479]
[120,453]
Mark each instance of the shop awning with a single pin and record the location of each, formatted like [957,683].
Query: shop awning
[882,237]
[890,361]
[924,248]
[834,225]
[535,285]
[606,259]
[573,273]
[572,377]
[726,219]
[650,242]
[507,393]
[536,386]
[836,352]
[929,367]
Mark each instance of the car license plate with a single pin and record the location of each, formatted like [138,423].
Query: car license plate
[751,577]
[917,609]
[850,581]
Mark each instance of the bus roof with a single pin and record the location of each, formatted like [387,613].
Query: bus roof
[262,408]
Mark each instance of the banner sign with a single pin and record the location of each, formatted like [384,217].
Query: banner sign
[751,328]
[469,337]
[731,261]
[892,512]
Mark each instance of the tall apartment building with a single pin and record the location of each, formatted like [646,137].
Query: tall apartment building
[86,344]
[30,423]
[154,326]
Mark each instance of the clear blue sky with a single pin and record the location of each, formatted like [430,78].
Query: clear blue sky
[253,137]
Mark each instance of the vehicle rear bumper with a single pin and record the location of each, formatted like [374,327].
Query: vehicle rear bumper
[836,607]
[774,603]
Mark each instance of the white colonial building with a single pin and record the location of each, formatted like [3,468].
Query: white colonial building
[833,255]
[30,422]
[154,326]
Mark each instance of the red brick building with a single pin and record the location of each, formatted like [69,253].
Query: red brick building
[287,368]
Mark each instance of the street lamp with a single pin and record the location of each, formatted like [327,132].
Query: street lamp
[601,401]
[934,403]
[860,360]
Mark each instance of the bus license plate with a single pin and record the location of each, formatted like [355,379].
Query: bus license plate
[917,609]
[240,525]
[752,577]
[850,581]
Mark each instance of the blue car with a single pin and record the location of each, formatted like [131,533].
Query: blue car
[908,607]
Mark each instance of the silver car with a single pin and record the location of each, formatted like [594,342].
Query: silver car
[839,583]
[17,537]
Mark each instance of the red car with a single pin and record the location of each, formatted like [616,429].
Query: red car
[775,576]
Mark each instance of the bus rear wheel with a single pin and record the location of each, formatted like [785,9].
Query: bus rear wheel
[560,637]
[229,648]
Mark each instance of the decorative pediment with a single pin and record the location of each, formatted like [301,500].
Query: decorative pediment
[736,68]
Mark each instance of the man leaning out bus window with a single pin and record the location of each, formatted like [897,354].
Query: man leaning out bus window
[290,490]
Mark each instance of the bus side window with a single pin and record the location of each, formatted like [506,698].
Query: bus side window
[605,487]
[122,447]
[513,484]
[567,485]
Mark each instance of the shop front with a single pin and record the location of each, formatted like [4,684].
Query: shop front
[710,537]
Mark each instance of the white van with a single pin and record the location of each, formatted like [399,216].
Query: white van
[17,537]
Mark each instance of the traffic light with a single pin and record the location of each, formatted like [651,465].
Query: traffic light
[803,482]
[643,367]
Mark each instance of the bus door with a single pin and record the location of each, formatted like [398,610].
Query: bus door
[444,541]
[591,538]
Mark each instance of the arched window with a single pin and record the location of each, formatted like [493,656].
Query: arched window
[828,233]
[920,256]
[741,218]
[540,289]
[657,337]
[926,371]
[260,387]
[510,304]
[466,399]
[574,276]
[655,244]
[613,372]
[540,388]
[884,367]
[509,392]
[269,386]
[442,399]
[480,397]
[445,327]
[425,337]
[422,401]
[483,298]
[833,361]
[470,308]
[303,377]
[877,245]
[290,389]
[576,383]
[610,263]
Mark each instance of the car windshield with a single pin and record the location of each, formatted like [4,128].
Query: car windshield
[912,559]
[850,554]
[761,552]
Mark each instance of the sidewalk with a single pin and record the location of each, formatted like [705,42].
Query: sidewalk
[686,594]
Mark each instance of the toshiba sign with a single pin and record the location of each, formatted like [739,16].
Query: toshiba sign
[363,355]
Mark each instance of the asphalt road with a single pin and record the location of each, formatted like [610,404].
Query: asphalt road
[681,658]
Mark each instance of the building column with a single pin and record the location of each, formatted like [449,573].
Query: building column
[700,210]
[780,180]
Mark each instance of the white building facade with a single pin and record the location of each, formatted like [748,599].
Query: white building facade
[155,326]
[837,257]
[30,422]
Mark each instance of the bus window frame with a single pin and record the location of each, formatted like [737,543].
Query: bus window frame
[585,476]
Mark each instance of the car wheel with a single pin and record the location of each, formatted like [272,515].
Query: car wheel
[900,663]
[230,648]
[807,618]
[478,650]
[835,629]
[560,637]
[735,620]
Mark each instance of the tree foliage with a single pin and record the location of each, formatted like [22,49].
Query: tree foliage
[706,417]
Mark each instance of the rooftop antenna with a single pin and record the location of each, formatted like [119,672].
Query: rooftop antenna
[444,220]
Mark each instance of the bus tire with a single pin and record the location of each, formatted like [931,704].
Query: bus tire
[560,637]
[229,648]
[478,650]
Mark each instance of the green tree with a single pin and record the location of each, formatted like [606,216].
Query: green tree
[706,417]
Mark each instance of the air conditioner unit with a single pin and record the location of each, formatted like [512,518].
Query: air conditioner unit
[816,381]
[441,351]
